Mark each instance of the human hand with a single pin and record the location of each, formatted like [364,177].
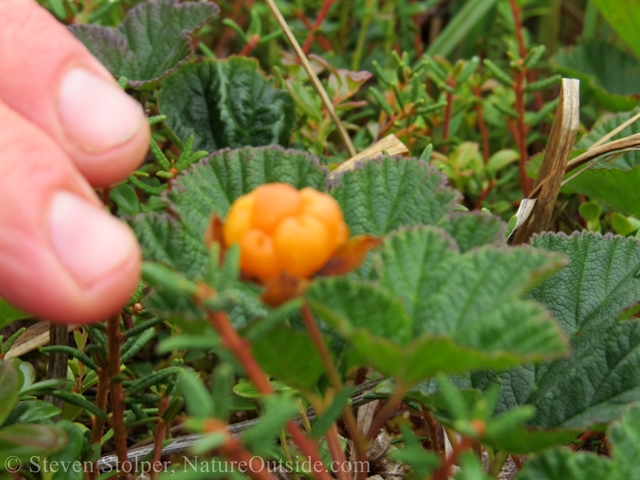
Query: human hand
[65,124]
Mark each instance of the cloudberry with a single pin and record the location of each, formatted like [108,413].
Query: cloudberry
[281,229]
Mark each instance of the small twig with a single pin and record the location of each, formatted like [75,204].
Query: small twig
[615,131]
[314,78]
[59,335]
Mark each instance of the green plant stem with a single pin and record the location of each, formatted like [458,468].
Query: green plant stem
[242,351]
[334,378]
[497,462]
[387,410]
[117,399]
[362,36]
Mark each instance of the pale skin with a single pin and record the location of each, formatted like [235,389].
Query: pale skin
[65,127]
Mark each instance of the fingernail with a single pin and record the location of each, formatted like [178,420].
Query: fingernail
[95,113]
[88,241]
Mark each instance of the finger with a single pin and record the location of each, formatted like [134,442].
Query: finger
[62,256]
[52,80]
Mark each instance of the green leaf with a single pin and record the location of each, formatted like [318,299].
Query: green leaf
[603,373]
[27,440]
[9,313]
[624,438]
[279,409]
[126,198]
[624,464]
[459,309]
[613,75]
[331,414]
[32,411]
[153,40]
[226,103]
[624,18]
[613,186]
[605,125]
[381,195]
[473,297]
[70,453]
[214,183]
[197,397]
[9,386]
[461,24]
[290,356]
[563,464]
[474,229]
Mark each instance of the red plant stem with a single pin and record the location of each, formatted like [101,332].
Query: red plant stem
[433,431]
[445,470]
[447,115]
[387,410]
[324,10]
[485,193]
[242,351]
[522,132]
[101,403]
[482,126]
[516,460]
[253,42]
[336,452]
[117,399]
[158,435]
[334,378]
[516,18]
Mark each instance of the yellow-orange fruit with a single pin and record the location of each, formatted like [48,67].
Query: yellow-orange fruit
[273,203]
[239,220]
[258,256]
[303,244]
[280,229]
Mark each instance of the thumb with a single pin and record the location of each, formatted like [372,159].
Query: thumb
[62,256]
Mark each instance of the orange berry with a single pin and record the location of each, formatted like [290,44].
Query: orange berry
[239,219]
[258,256]
[273,203]
[280,229]
[303,244]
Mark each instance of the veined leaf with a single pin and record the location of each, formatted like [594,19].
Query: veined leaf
[151,42]
[624,464]
[613,75]
[605,125]
[614,186]
[461,312]
[602,375]
[624,18]
[289,356]
[381,195]
[226,103]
